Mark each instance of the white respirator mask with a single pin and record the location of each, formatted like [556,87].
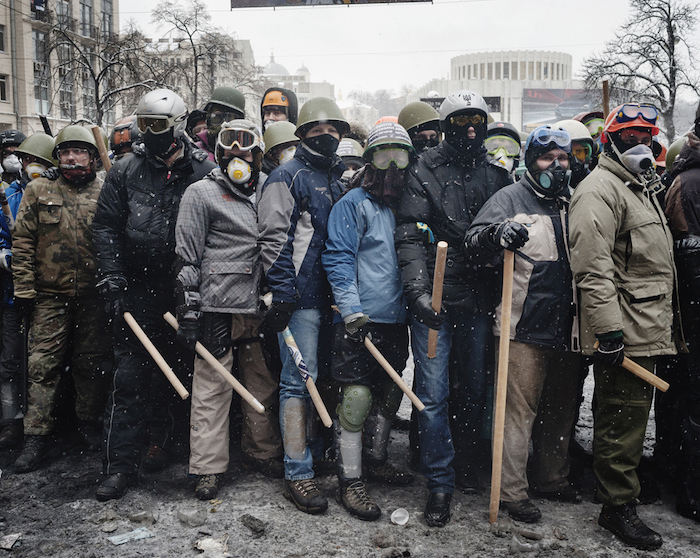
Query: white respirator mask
[239,171]
[286,155]
[11,164]
[638,159]
[34,170]
[502,158]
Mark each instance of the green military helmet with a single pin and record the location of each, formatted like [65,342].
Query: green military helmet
[39,145]
[278,133]
[349,147]
[74,135]
[673,151]
[228,97]
[318,110]
[417,114]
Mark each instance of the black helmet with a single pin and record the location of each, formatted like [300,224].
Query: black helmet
[9,138]
[503,129]
[197,115]
[124,134]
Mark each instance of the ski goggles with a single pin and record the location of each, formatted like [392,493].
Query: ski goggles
[595,127]
[383,158]
[233,137]
[545,135]
[218,117]
[630,111]
[157,124]
[467,120]
[582,152]
[494,143]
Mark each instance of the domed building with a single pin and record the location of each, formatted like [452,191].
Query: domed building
[299,82]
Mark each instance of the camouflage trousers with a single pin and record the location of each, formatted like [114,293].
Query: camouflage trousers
[67,333]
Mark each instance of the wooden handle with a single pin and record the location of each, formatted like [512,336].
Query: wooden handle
[394,375]
[641,372]
[502,385]
[438,278]
[310,385]
[106,163]
[216,365]
[160,361]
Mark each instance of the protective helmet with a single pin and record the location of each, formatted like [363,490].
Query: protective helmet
[8,138]
[394,119]
[460,112]
[673,151]
[197,115]
[319,110]
[124,134]
[38,145]
[386,135]
[71,136]
[349,147]
[162,104]
[228,97]
[594,121]
[278,133]
[578,132]
[242,134]
[630,115]
[550,181]
[503,129]
[462,101]
[661,156]
[275,98]
[278,96]
[417,114]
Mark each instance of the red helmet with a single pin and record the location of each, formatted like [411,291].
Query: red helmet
[394,119]
[631,115]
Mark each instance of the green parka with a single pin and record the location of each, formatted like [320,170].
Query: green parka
[622,260]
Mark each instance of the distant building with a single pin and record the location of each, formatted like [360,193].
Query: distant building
[355,111]
[299,82]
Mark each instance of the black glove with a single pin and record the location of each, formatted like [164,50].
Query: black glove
[52,173]
[611,349]
[511,235]
[424,313]
[113,291]
[279,314]
[188,315]
[24,306]
[356,329]
[188,332]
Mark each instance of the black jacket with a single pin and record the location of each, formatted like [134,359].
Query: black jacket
[134,227]
[445,192]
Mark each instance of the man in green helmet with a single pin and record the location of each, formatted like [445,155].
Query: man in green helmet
[226,104]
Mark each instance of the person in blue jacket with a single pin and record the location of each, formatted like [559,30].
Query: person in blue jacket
[363,271]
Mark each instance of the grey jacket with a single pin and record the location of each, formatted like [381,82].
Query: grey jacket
[216,234]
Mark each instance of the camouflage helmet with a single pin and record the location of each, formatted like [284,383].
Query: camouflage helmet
[39,145]
[278,133]
[321,110]
[74,135]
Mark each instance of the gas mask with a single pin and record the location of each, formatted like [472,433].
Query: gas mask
[34,170]
[552,180]
[325,144]
[12,164]
[638,159]
[286,155]
[502,158]
[239,171]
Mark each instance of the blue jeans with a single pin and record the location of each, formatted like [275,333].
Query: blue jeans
[306,327]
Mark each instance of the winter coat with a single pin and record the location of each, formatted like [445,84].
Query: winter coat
[134,228]
[53,250]
[543,311]
[292,222]
[14,194]
[216,233]
[622,259]
[360,259]
[446,194]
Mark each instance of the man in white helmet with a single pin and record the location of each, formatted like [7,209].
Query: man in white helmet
[134,234]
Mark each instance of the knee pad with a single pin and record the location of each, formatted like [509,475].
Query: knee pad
[354,408]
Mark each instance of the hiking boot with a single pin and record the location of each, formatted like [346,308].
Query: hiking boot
[568,494]
[90,433]
[623,522]
[305,495]
[155,460]
[437,510]
[524,511]
[388,474]
[353,496]
[114,486]
[207,487]
[35,449]
[272,468]
[12,435]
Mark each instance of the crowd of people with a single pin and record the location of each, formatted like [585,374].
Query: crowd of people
[319,234]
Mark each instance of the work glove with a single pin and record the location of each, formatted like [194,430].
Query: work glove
[424,313]
[511,235]
[611,349]
[188,331]
[24,306]
[356,330]
[113,291]
[52,173]
[188,315]
[279,314]
[6,259]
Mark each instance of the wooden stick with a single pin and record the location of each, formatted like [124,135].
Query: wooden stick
[438,277]
[394,375]
[641,372]
[106,163]
[502,385]
[216,365]
[304,371]
[160,361]
[606,99]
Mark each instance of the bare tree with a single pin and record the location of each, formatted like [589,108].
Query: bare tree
[650,59]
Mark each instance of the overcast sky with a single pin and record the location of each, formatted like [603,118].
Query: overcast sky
[371,47]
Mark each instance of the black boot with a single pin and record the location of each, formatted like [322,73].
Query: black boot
[34,451]
[114,486]
[624,522]
[12,435]
[437,510]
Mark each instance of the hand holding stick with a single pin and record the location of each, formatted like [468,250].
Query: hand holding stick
[641,372]
[438,278]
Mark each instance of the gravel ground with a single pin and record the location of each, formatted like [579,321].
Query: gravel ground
[55,512]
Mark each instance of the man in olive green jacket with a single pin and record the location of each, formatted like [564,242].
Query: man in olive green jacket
[622,259]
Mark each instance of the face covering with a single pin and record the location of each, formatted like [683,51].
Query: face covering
[161,145]
[638,159]
[386,185]
[552,180]
[579,171]
[421,145]
[12,164]
[325,144]
[34,170]
[458,137]
[77,174]
[239,171]
[286,155]
[502,158]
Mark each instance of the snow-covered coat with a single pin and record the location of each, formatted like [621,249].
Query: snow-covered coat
[360,259]
[216,235]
